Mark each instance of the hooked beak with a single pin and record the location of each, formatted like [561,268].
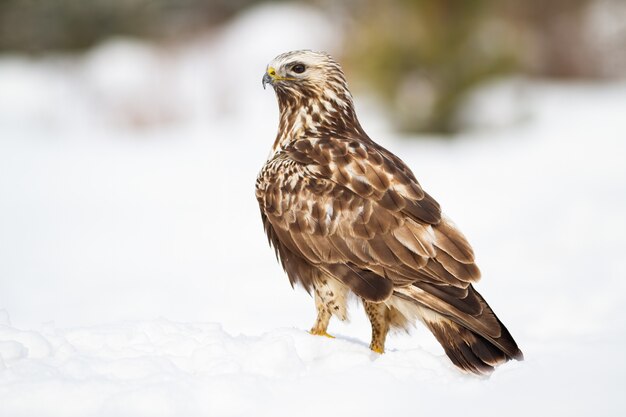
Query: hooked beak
[271,77]
[267,79]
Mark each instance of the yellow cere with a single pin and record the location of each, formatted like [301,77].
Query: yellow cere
[272,73]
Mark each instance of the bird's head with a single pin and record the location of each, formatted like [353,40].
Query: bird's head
[304,73]
[313,96]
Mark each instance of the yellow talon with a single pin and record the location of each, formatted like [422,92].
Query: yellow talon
[378,350]
[321,333]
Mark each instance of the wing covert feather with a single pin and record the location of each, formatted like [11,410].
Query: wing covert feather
[346,202]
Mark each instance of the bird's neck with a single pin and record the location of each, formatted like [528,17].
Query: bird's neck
[327,115]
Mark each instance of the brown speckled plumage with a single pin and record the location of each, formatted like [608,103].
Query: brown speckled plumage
[345,215]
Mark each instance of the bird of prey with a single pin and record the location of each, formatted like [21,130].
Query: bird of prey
[346,216]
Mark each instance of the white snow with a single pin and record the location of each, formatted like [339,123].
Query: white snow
[127,195]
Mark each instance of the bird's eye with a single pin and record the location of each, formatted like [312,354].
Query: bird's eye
[298,68]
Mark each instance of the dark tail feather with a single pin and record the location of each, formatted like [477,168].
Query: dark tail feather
[467,328]
[470,351]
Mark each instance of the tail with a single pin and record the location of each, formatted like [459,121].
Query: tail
[469,350]
[475,343]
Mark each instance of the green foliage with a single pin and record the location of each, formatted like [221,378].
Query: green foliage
[423,56]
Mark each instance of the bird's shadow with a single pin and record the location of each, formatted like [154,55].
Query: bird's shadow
[354,340]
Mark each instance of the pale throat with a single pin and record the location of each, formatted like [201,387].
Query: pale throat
[322,115]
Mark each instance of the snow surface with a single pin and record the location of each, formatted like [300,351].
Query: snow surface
[135,278]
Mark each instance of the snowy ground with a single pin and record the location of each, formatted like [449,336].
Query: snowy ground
[135,278]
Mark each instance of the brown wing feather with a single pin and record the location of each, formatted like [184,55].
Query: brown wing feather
[369,171]
[315,189]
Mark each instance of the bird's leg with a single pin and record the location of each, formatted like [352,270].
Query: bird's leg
[323,317]
[378,313]
[330,299]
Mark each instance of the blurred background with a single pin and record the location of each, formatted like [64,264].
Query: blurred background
[423,57]
[131,133]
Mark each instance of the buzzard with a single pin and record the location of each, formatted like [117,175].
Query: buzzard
[346,216]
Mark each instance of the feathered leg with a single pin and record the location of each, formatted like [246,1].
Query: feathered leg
[378,313]
[323,318]
[330,299]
